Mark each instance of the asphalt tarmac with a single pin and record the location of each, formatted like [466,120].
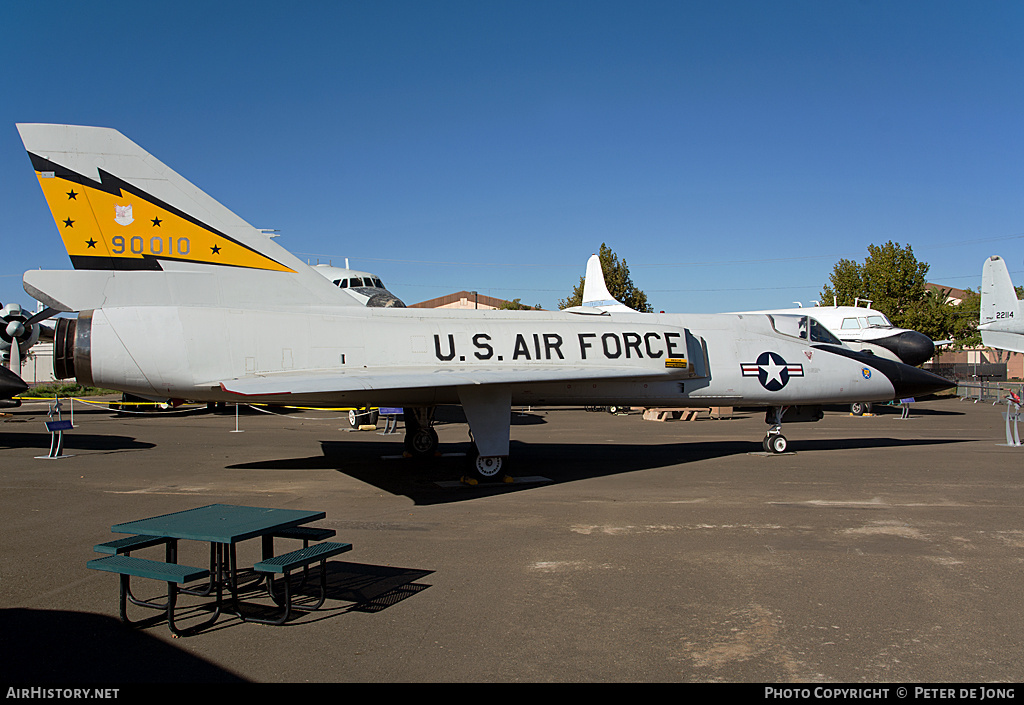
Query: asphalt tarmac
[879,550]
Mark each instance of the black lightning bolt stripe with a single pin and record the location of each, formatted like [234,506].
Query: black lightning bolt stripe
[118,187]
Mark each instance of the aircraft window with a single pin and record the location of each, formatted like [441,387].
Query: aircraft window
[793,326]
[805,328]
[343,283]
[337,282]
[849,323]
[879,322]
[821,334]
[378,283]
[355,281]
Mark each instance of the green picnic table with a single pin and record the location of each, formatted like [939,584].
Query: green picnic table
[223,526]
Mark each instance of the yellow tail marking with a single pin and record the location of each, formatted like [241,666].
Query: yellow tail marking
[94,223]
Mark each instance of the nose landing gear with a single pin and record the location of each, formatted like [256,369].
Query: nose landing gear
[774,441]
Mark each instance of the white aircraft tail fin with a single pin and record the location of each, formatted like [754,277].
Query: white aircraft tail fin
[1000,316]
[595,290]
[998,297]
[118,209]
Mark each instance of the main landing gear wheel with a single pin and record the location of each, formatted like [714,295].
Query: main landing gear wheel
[775,443]
[488,467]
[421,442]
[859,408]
[420,436]
[362,417]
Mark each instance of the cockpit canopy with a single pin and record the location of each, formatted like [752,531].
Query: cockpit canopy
[873,320]
[359,283]
[803,327]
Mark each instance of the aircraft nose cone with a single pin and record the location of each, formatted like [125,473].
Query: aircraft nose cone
[914,348]
[906,381]
[910,346]
[10,384]
[914,382]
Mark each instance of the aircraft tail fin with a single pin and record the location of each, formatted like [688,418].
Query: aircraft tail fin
[595,290]
[1000,316]
[998,297]
[118,208]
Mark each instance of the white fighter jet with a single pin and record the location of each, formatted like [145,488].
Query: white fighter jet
[178,297]
[1000,322]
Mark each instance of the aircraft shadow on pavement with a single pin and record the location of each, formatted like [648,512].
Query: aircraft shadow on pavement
[72,441]
[436,480]
[456,415]
[50,647]
[887,410]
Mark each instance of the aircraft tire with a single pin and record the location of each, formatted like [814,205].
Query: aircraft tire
[421,442]
[487,468]
[776,443]
[361,417]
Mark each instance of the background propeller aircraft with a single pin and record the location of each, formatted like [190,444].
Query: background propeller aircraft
[364,287]
[176,296]
[19,331]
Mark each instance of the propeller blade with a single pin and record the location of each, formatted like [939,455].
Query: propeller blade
[41,316]
[15,365]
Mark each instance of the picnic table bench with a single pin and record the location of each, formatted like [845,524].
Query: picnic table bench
[284,564]
[129,543]
[173,574]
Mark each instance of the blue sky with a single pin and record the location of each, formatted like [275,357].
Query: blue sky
[730,152]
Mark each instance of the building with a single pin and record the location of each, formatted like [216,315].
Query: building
[462,299]
[37,367]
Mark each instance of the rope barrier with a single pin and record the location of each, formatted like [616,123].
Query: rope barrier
[163,412]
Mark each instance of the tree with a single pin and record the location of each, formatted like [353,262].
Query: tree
[894,281]
[935,316]
[517,305]
[847,284]
[618,281]
[891,278]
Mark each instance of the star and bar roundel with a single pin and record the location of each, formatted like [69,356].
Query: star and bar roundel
[772,371]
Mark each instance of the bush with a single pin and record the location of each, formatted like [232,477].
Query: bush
[64,389]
